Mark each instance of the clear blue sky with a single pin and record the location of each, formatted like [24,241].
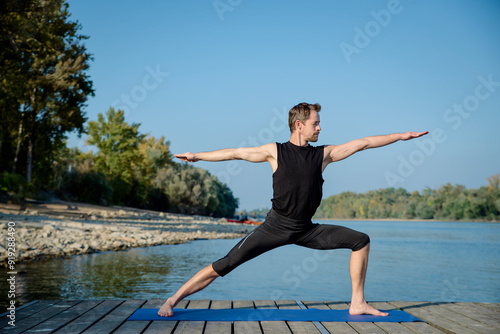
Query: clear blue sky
[218,74]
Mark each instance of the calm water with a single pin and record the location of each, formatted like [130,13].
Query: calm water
[416,261]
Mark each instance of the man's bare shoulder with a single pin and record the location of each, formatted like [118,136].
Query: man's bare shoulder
[270,146]
[327,149]
[271,149]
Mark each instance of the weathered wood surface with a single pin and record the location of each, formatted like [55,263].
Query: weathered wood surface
[110,316]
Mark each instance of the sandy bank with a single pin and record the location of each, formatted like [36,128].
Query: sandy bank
[63,229]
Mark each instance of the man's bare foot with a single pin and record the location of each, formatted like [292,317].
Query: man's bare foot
[364,308]
[167,309]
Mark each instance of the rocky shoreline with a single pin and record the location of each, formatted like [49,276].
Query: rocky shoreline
[63,229]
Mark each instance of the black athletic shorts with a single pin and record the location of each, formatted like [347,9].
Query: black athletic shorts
[278,231]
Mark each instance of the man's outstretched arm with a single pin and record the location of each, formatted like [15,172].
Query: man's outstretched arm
[340,152]
[252,154]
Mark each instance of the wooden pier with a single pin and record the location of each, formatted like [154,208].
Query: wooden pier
[109,316]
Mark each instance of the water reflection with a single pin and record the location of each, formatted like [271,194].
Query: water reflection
[116,275]
[111,275]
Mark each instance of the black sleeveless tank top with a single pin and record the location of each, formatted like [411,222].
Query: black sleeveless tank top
[298,181]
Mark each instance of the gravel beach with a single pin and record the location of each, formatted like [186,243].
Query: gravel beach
[62,229]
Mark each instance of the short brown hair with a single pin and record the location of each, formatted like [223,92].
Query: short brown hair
[301,112]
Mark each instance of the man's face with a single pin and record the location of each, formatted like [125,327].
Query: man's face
[311,128]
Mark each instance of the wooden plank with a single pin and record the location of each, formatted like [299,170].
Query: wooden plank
[423,328]
[338,305]
[390,327]
[243,304]
[164,327]
[493,306]
[486,310]
[199,303]
[193,327]
[332,326]
[446,318]
[221,304]
[19,308]
[393,327]
[297,327]
[134,327]
[245,327]
[27,311]
[271,327]
[39,317]
[428,312]
[475,311]
[219,327]
[116,317]
[384,306]
[65,317]
[89,318]
[419,327]
[366,327]
[446,311]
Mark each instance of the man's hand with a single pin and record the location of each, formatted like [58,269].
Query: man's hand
[188,156]
[412,135]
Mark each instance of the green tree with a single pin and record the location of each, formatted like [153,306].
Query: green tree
[493,196]
[155,154]
[118,143]
[118,155]
[192,190]
[450,202]
[44,82]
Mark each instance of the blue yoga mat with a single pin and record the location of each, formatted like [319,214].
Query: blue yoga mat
[311,314]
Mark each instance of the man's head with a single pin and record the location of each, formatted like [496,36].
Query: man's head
[305,117]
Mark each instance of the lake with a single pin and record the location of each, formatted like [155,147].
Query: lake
[413,261]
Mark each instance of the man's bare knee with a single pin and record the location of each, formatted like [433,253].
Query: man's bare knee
[366,248]
[211,271]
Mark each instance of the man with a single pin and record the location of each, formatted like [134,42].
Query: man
[297,191]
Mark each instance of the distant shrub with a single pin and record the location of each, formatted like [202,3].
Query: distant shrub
[12,182]
[156,199]
[121,191]
[90,187]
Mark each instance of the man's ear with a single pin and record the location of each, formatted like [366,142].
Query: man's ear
[298,124]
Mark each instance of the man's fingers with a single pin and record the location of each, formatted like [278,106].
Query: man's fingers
[423,133]
[183,157]
[418,134]
[412,135]
[186,157]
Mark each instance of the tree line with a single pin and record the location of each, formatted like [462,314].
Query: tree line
[129,168]
[44,86]
[450,202]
